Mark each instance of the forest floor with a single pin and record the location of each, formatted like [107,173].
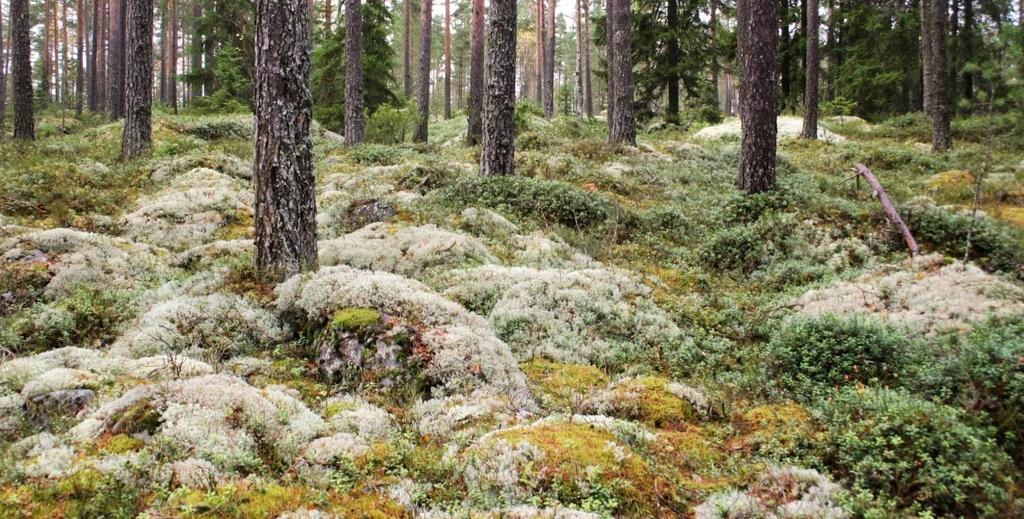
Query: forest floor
[611,332]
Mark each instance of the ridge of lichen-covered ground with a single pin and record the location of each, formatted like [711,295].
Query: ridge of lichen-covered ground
[611,332]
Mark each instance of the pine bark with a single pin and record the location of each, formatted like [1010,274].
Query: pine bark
[540,52]
[197,45]
[355,119]
[926,56]
[447,59]
[81,17]
[672,54]
[162,83]
[942,139]
[423,79]
[623,121]
[64,52]
[476,75]
[3,76]
[713,25]
[21,70]
[588,88]
[497,154]
[329,15]
[101,51]
[285,217]
[968,48]
[810,130]
[45,85]
[759,39]
[407,52]
[578,106]
[94,57]
[116,60]
[610,59]
[138,85]
[549,61]
[172,62]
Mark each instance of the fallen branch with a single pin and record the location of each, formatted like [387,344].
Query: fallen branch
[890,211]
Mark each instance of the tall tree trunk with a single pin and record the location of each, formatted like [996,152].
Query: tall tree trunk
[407,52]
[172,63]
[354,111]
[968,48]
[497,153]
[541,53]
[3,76]
[476,74]
[94,52]
[588,90]
[210,53]
[926,56]
[45,85]
[810,130]
[285,217]
[549,61]
[116,60]
[942,139]
[623,122]
[138,83]
[610,59]
[672,54]
[447,59]
[423,81]
[713,25]
[197,48]
[830,45]
[758,44]
[64,52]
[578,106]
[164,45]
[329,15]
[101,63]
[80,17]
[21,70]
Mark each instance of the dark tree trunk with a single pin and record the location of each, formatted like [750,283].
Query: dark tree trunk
[578,106]
[830,45]
[476,75]
[786,58]
[210,53]
[3,77]
[540,52]
[672,55]
[21,70]
[355,120]
[101,51]
[610,59]
[447,59]
[423,79]
[116,60]
[942,139]
[64,84]
[623,121]
[138,91]
[713,24]
[926,56]
[197,47]
[588,90]
[407,52]
[811,88]
[759,39]
[329,15]
[497,154]
[172,63]
[163,51]
[968,48]
[79,54]
[549,62]
[283,150]
[94,52]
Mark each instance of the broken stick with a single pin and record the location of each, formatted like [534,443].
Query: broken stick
[890,210]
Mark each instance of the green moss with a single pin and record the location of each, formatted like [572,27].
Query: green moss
[119,444]
[355,319]
[558,385]
[238,500]
[648,400]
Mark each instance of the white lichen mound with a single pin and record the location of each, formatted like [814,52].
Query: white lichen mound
[190,211]
[780,493]
[218,418]
[59,379]
[789,128]
[409,251]
[77,259]
[463,418]
[485,222]
[230,165]
[354,415]
[573,316]
[464,353]
[18,373]
[212,327]
[926,295]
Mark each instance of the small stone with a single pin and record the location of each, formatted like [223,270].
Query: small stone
[365,212]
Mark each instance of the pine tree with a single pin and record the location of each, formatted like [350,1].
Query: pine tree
[285,217]
[355,119]
[810,130]
[549,61]
[497,151]
[588,90]
[476,75]
[447,59]
[942,139]
[407,51]
[672,55]
[423,78]
[138,83]
[578,106]
[116,60]
[758,52]
[3,76]
[21,70]
[80,17]
[172,61]
[622,124]
[540,52]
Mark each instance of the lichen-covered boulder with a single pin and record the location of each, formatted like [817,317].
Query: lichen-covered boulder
[169,168]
